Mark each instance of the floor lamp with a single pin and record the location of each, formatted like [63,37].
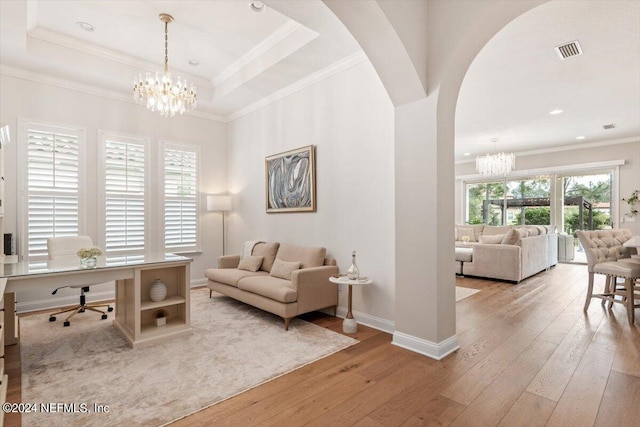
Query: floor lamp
[220,204]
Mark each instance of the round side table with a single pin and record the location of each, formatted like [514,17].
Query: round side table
[349,326]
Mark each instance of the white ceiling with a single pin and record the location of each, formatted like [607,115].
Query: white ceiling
[517,79]
[245,57]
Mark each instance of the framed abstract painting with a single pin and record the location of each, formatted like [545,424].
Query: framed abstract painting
[290,181]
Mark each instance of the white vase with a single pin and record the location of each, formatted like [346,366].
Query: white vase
[158,291]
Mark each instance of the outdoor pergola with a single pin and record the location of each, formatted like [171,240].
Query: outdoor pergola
[582,203]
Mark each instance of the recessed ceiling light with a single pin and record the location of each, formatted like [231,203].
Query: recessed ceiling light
[466,154]
[194,62]
[580,137]
[86,26]
[556,111]
[257,6]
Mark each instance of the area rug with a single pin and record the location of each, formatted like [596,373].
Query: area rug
[462,293]
[95,378]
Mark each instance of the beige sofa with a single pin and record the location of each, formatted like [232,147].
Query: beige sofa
[505,252]
[277,286]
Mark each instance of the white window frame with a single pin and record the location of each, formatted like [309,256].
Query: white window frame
[103,135]
[24,124]
[167,145]
[554,172]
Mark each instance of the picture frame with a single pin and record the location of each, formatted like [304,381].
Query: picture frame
[290,181]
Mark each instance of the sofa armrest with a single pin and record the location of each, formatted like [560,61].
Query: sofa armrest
[535,254]
[314,289]
[228,261]
[497,261]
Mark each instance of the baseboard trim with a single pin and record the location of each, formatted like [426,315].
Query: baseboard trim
[198,282]
[427,348]
[374,322]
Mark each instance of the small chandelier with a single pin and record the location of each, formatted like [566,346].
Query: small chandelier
[160,93]
[495,164]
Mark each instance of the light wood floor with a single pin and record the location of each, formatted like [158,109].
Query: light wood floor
[528,356]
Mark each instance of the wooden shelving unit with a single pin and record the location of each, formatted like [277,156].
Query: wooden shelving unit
[136,313]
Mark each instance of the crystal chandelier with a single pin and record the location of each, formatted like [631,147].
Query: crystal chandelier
[161,93]
[495,164]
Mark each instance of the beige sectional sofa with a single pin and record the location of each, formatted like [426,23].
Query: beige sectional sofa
[505,252]
[283,279]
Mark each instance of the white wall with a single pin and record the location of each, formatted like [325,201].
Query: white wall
[42,102]
[349,118]
[629,178]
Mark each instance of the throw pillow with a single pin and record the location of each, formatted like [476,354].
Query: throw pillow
[283,269]
[492,240]
[511,237]
[464,231]
[250,263]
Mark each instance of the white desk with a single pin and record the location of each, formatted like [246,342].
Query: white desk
[349,325]
[133,274]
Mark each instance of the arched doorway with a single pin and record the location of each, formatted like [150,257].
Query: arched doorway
[442,38]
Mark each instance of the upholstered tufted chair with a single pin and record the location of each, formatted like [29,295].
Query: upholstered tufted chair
[606,255]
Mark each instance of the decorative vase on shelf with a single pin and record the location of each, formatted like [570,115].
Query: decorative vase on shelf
[353,272]
[158,291]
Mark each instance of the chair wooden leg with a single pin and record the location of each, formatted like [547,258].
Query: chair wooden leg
[628,285]
[607,289]
[589,292]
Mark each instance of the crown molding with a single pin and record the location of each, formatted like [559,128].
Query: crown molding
[279,35]
[335,68]
[49,36]
[20,73]
[565,148]
[331,70]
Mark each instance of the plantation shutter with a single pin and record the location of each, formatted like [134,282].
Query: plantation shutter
[52,186]
[124,179]
[180,199]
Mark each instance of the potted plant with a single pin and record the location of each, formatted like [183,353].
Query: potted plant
[633,201]
[161,318]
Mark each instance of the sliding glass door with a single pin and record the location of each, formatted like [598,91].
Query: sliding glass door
[586,206]
[576,200]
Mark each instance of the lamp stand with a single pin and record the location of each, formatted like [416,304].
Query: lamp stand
[223,233]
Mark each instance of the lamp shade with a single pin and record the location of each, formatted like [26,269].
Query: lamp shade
[218,203]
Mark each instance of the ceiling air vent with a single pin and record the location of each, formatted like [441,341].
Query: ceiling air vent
[569,49]
[611,126]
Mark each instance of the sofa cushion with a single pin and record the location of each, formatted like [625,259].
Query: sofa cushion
[493,230]
[230,276]
[492,239]
[268,251]
[283,269]
[466,231]
[533,231]
[271,287]
[307,256]
[250,263]
[514,235]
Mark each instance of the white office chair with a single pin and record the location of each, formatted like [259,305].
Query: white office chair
[60,248]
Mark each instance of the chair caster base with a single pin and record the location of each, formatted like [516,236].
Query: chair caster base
[81,310]
[67,323]
[52,319]
[109,309]
[103,317]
